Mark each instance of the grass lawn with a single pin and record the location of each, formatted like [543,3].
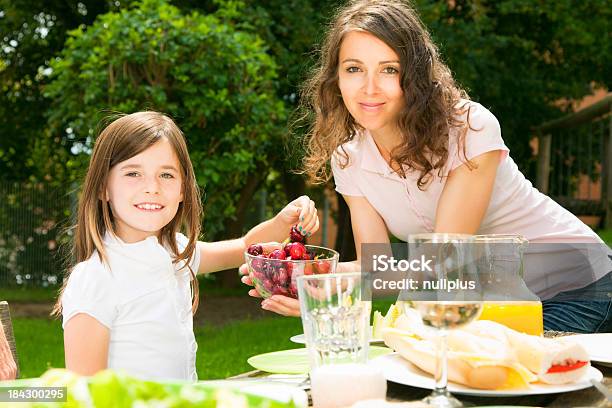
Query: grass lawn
[605,235]
[222,351]
[49,294]
[21,294]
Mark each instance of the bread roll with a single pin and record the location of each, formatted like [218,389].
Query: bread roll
[422,354]
[568,361]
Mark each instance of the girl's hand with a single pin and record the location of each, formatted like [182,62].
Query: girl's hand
[303,212]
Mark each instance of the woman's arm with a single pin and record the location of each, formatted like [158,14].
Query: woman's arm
[8,368]
[221,255]
[86,345]
[466,195]
[368,227]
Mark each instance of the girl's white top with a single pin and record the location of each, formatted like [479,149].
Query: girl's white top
[145,301]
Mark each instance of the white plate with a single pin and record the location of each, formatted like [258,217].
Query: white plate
[597,345]
[401,371]
[301,339]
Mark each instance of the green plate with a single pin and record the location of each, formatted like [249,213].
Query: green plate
[295,361]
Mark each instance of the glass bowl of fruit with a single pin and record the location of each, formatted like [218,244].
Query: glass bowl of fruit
[275,273]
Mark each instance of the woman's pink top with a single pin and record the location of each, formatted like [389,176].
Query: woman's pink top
[516,207]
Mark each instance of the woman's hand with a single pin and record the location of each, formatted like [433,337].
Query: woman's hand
[303,212]
[282,305]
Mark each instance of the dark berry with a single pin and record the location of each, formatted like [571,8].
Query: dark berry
[255,250]
[279,290]
[283,276]
[277,254]
[257,264]
[295,235]
[293,290]
[268,285]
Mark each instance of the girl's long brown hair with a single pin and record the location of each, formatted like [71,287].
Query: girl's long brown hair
[124,138]
[432,98]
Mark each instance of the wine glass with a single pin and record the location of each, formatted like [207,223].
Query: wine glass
[448,296]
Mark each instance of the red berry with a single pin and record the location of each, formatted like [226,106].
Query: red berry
[277,254]
[267,285]
[257,276]
[279,290]
[308,269]
[282,276]
[293,290]
[297,251]
[288,249]
[323,266]
[295,235]
[257,264]
[255,250]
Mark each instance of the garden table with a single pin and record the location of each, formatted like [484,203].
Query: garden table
[589,397]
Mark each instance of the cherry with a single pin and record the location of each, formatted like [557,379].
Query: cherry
[255,250]
[295,235]
[277,254]
[323,266]
[288,249]
[297,251]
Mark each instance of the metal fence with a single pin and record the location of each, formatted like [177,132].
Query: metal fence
[33,218]
[34,241]
[574,161]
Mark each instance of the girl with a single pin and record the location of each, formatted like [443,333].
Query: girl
[410,153]
[128,302]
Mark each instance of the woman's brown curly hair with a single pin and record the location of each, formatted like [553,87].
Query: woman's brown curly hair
[432,98]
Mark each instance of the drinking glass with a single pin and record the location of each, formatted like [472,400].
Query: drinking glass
[336,321]
[335,318]
[441,308]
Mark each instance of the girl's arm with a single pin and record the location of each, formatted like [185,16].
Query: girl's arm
[466,195]
[368,227]
[86,345]
[218,256]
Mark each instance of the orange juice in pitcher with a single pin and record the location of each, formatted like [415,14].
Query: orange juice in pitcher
[522,316]
[508,300]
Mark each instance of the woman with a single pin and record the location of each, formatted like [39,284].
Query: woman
[410,153]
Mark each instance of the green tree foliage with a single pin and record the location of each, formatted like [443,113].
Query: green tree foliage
[217,82]
[525,60]
[32,32]
[230,73]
